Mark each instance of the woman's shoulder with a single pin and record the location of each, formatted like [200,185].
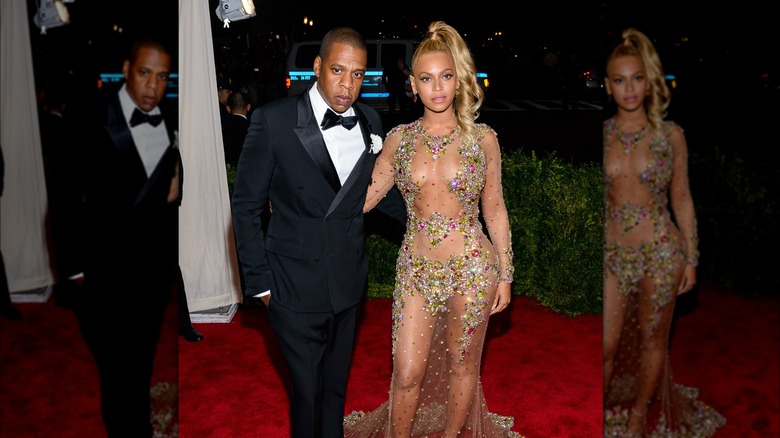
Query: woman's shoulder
[670,126]
[674,133]
[485,129]
[672,129]
[403,128]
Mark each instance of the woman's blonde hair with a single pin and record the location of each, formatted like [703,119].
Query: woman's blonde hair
[442,37]
[635,43]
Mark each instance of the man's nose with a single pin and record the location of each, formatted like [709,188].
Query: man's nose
[154,82]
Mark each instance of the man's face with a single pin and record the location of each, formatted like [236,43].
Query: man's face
[223,95]
[340,75]
[147,77]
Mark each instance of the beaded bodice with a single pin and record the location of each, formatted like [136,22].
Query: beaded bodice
[641,181]
[461,183]
[448,187]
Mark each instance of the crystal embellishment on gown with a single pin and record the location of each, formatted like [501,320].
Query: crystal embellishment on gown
[447,275]
[436,145]
[629,140]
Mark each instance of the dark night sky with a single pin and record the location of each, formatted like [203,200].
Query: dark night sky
[737,38]
[706,45]
[88,44]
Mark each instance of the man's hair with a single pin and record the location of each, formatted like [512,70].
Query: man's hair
[343,35]
[237,100]
[149,42]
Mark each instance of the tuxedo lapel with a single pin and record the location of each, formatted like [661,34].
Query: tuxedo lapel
[165,167]
[119,131]
[310,136]
[365,129]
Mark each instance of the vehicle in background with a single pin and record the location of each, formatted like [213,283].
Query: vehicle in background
[592,79]
[300,72]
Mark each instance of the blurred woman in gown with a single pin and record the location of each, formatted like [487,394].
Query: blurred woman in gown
[650,252]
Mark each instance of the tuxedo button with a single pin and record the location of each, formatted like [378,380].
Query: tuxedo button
[316,259]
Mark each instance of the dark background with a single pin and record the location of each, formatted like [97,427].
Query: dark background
[69,59]
[724,61]
[716,53]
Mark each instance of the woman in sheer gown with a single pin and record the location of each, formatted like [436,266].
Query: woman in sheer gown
[450,278]
[650,253]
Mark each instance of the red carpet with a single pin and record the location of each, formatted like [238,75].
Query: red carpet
[542,368]
[49,379]
[729,347]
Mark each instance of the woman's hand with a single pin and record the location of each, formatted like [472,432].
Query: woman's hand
[503,297]
[688,279]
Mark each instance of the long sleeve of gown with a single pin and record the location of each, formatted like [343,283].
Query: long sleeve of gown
[494,209]
[382,176]
[680,197]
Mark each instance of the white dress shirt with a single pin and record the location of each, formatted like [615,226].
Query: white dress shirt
[345,146]
[151,141]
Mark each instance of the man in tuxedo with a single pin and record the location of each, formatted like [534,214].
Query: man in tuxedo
[236,126]
[310,268]
[133,181]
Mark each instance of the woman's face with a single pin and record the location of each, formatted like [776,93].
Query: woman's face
[435,80]
[626,82]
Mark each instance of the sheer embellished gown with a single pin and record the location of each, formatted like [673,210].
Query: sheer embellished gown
[646,249]
[447,273]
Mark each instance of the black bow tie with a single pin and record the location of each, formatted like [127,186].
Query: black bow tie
[141,117]
[332,119]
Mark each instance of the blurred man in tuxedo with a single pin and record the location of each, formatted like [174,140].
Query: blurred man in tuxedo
[133,181]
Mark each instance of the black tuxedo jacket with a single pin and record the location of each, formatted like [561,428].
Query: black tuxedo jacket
[313,256]
[233,134]
[132,231]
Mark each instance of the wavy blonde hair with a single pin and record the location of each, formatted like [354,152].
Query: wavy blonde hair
[442,37]
[658,97]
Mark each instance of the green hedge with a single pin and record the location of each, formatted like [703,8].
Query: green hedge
[231,178]
[556,219]
[555,211]
[555,214]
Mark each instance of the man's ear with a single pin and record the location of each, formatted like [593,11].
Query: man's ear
[317,65]
[126,68]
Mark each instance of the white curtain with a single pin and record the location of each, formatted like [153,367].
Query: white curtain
[206,249]
[23,204]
